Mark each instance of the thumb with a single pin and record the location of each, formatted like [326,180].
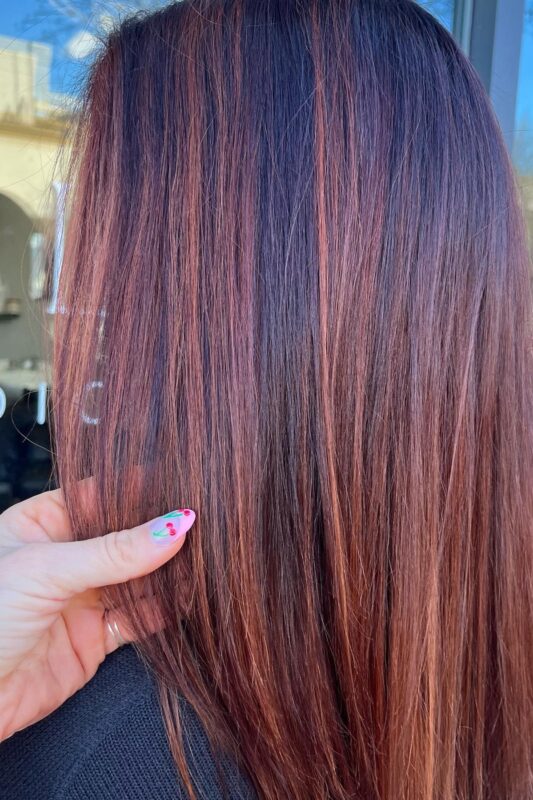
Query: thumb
[72,567]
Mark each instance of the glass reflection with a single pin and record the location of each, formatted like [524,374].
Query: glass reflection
[442,9]
[523,139]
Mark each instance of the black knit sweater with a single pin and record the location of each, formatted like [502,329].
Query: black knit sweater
[107,742]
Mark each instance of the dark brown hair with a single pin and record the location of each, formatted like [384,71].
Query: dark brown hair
[295,298]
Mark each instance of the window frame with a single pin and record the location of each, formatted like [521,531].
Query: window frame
[490,33]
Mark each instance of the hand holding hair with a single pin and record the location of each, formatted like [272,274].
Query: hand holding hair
[54,629]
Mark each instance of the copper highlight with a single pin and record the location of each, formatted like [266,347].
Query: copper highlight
[295,298]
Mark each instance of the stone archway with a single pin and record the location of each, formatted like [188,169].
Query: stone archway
[21,337]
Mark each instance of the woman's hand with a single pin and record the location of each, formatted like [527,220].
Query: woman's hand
[53,633]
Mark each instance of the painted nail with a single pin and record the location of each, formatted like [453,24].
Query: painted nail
[172,526]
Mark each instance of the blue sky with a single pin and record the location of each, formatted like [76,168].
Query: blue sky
[12,13]
[67,25]
[26,19]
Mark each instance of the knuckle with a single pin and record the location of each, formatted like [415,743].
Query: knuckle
[118,548]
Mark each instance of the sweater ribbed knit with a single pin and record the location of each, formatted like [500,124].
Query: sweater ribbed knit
[108,742]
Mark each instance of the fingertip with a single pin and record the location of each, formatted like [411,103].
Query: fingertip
[171,528]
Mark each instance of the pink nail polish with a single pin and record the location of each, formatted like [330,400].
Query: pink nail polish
[172,526]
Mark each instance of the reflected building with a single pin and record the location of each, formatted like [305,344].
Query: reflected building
[33,124]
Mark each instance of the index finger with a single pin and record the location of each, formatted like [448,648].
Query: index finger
[42,518]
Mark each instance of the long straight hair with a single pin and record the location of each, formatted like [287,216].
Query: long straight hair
[296,298]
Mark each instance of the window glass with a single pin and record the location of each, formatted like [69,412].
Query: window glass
[442,9]
[523,138]
[45,46]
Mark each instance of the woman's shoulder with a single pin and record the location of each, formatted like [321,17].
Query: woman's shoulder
[109,740]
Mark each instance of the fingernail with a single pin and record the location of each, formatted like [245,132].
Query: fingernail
[171,527]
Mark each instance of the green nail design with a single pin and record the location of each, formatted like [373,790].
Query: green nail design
[162,529]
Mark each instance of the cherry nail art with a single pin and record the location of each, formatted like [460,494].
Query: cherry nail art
[165,529]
